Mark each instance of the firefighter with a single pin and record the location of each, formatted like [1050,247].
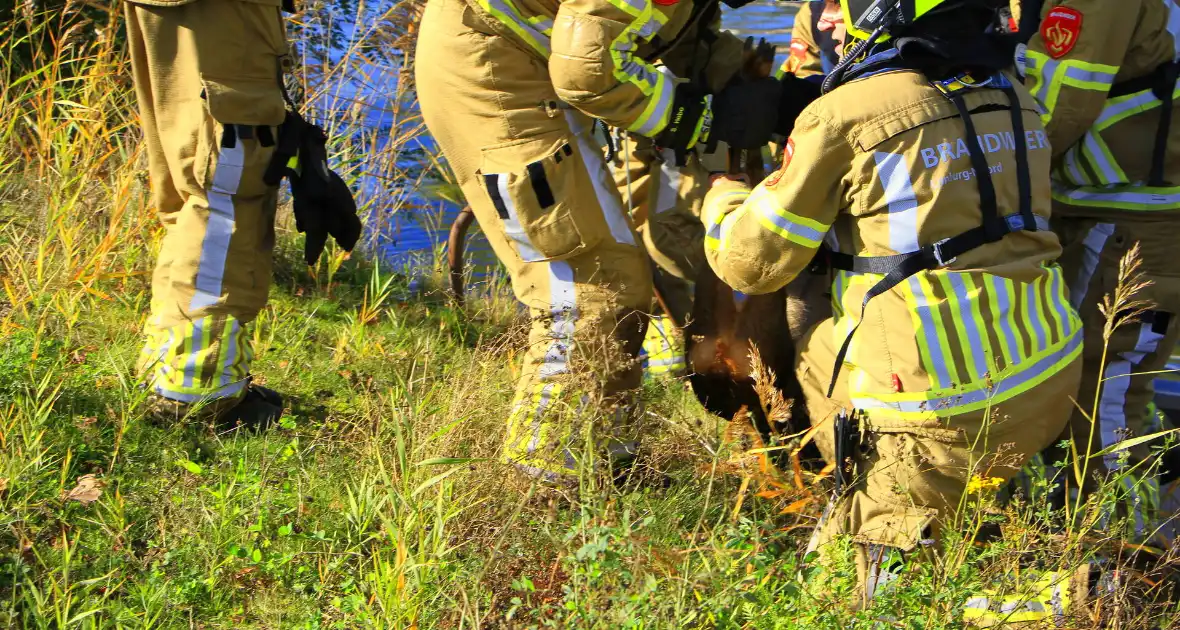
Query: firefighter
[206,78]
[813,52]
[510,89]
[951,335]
[1105,74]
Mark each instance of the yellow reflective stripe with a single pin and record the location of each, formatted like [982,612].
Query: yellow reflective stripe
[542,23]
[1120,108]
[1035,370]
[934,304]
[718,209]
[1085,75]
[659,106]
[1102,163]
[528,431]
[848,289]
[1000,294]
[926,355]
[1070,169]
[658,86]
[1049,75]
[793,227]
[508,15]
[962,298]
[1134,198]
[1060,312]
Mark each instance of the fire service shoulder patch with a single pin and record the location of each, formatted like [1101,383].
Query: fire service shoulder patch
[1060,31]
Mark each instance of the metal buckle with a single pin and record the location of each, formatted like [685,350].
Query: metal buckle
[938,253]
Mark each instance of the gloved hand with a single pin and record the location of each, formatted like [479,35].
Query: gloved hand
[323,204]
[797,95]
[746,113]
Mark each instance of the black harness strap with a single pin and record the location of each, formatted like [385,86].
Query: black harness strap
[1023,178]
[1162,83]
[900,267]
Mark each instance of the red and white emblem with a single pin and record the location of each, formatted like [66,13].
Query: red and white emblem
[1061,30]
[788,153]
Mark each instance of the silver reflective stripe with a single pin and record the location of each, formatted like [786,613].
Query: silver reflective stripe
[1071,167]
[1164,200]
[1058,600]
[1112,403]
[925,307]
[1106,171]
[508,10]
[195,340]
[967,299]
[231,351]
[1119,108]
[1047,76]
[894,173]
[664,94]
[1174,25]
[600,176]
[978,603]
[223,392]
[542,404]
[563,308]
[512,227]
[1089,76]
[219,228]
[1093,245]
[946,404]
[668,187]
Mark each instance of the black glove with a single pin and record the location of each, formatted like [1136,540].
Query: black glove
[797,95]
[746,113]
[689,122]
[323,204]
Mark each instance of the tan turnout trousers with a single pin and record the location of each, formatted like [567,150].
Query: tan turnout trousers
[543,194]
[207,80]
[1121,387]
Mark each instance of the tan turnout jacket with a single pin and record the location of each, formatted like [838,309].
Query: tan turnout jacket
[602,55]
[1103,144]
[880,167]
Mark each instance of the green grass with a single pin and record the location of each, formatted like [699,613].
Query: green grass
[379,501]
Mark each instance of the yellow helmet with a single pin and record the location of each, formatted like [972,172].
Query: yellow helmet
[863,18]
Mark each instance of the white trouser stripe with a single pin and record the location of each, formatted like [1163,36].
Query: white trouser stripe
[600,177]
[564,310]
[1094,243]
[668,189]
[1112,403]
[903,205]
[512,227]
[227,176]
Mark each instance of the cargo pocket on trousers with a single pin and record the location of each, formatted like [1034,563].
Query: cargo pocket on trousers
[544,198]
[240,130]
[234,148]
